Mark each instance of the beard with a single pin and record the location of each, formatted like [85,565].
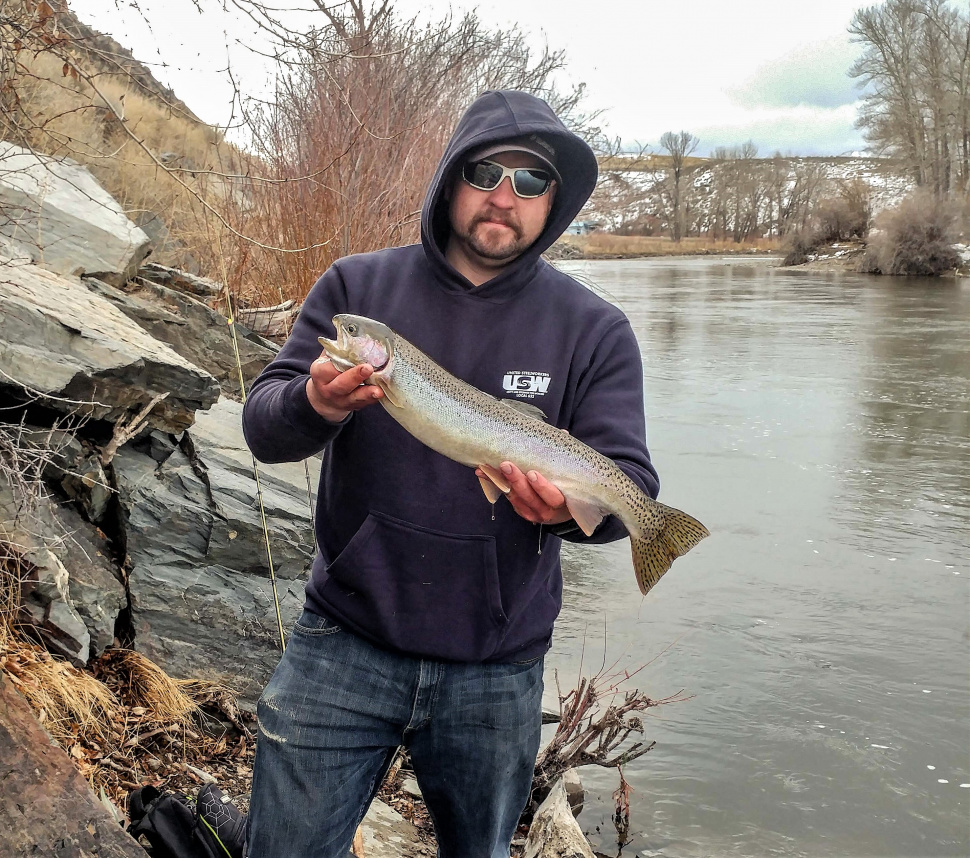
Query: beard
[488,243]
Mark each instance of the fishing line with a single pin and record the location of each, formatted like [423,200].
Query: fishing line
[259,489]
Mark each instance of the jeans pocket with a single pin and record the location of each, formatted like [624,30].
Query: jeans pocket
[418,590]
[313,624]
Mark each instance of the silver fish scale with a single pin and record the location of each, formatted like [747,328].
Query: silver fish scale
[458,420]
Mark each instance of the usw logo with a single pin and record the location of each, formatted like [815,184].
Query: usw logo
[526,383]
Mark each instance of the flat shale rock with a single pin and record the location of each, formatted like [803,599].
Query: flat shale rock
[59,338]
[193,329]
[46,806]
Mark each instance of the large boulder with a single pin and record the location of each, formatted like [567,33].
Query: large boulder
[61,340]
[57,213]
[201,596]
[48,807]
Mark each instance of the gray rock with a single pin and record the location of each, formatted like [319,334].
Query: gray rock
[181,281]
[197,332]
[62,340]
[411,788]
[74,468]
[202,601]
[55,211]
[387,834]
[554,832]
[71,591]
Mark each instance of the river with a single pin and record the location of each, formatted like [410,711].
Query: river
[819,425]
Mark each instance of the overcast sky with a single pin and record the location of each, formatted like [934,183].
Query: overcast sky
[770,71]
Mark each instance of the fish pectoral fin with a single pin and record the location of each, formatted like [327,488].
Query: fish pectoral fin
[389,396]
[495,476]
[524,408]
[492,491]
[587,516]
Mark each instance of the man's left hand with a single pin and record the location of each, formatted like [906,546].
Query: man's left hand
[533,497]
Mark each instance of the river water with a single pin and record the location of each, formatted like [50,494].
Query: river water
[819,425]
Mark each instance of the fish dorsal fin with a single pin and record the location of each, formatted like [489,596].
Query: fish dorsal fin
[585,515]
[526,409]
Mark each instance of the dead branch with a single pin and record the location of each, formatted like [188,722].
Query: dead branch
[128,428]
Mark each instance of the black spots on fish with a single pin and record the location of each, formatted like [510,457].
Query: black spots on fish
[651,559]
[682,530]
[679,533]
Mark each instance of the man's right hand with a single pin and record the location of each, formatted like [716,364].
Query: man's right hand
[334,394]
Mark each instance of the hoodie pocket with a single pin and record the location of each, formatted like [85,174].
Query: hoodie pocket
[419,590]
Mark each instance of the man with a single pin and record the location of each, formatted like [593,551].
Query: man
[428,613]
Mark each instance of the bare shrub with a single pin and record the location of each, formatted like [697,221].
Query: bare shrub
[916,238]
[798,246]
[346,147]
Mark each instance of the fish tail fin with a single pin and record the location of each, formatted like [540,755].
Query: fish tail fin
[653,557]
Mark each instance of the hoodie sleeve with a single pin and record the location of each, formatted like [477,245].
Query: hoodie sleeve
[609,417]
[279,422]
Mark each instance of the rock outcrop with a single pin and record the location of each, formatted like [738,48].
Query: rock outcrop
[201,596]
[54,211]
[59,339]
[47,807]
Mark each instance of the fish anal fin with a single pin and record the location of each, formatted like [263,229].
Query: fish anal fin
[524,408]
[653,557]
[495,475]
[492,491]
[587,516]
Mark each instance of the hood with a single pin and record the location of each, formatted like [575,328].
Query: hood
[492,117]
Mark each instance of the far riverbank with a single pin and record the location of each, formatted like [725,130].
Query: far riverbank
[602,245]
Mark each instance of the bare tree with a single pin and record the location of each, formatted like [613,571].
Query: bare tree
[916,63]
[678,146]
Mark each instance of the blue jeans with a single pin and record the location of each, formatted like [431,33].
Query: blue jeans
[335,712]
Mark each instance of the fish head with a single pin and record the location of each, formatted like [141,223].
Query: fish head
[360,340]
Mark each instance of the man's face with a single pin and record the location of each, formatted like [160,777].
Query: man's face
[492,228]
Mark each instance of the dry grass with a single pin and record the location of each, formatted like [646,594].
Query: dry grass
[601,245]
[68,117]
[148,687]
[67,701]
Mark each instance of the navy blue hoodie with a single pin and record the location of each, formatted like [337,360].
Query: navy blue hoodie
[409,554]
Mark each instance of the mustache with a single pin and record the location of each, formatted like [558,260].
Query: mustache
[498,217]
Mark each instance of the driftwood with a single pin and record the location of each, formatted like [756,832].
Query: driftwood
[589,735]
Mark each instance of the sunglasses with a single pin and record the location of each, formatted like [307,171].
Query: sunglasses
[527,182]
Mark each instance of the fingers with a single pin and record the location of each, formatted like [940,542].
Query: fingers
[533,497]
[334,394]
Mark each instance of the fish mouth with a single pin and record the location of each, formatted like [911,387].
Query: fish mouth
[349,350]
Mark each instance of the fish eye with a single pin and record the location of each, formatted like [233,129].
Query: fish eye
[352,330]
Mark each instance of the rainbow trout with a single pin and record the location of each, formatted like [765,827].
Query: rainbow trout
[476,429]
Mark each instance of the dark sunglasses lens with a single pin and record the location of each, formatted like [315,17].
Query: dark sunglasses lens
[482,174]
[531,183]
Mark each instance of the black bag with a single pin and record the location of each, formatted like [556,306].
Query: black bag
[177,826]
